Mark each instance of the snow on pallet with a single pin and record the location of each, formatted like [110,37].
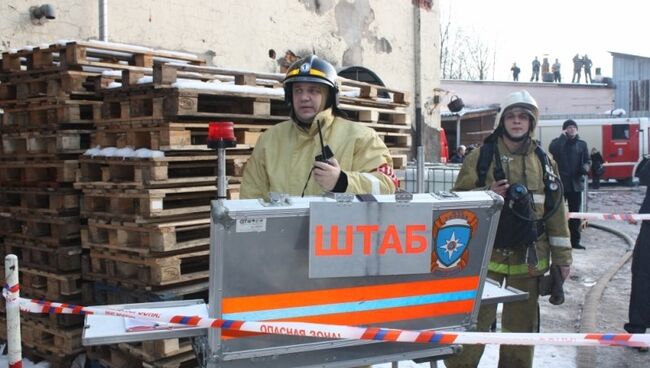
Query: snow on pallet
[74,54]
[188,100]
[353,92]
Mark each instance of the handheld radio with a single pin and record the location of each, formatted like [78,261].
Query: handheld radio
[326,152]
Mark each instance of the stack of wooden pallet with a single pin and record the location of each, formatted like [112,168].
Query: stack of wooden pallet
[49,97]
[130,218]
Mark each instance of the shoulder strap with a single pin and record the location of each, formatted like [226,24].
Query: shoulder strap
[487,152]
[547,171]
[484,158]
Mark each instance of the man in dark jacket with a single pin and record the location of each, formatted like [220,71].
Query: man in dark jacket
[573,160]
[639,312]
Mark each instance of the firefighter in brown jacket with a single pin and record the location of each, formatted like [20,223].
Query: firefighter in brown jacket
[517,265]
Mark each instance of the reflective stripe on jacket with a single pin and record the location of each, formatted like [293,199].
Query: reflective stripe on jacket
[284,156]
[554,244]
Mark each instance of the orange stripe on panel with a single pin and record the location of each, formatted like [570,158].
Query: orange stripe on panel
[382,316]
[331,296]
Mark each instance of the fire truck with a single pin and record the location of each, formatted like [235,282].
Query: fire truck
[623,142]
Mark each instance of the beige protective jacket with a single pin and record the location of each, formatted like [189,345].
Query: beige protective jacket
[284,156]
[554,244]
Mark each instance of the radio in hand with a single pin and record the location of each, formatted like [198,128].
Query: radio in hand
[326,151]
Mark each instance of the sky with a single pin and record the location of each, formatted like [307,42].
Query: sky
[519,30]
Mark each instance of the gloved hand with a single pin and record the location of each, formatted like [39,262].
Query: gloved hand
[557,291]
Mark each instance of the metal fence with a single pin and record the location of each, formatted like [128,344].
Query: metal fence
[437,177]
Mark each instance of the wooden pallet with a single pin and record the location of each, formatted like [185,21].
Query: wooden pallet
[142,205]
[72,55]
[184,360]
[37,173]
[109,356]
[152,351]
[396,118]
[62,85]
[50,340]
[367,94]
[37,354]
[36,255]
[55,321]
[48,201]
[392,139]
[146,238]
[171,135]
[169,171]
[399,161]
[168,74]
[149,102]
[147,271]
[51,115]
[50,285]
[107,292]
[364,93]
[44,143]
[52,230]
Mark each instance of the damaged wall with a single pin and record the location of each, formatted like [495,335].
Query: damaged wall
[377,34]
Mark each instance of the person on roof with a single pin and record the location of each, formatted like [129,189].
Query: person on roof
[288,157]
[536,65]
[511,164]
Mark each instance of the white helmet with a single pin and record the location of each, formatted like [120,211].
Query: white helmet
[521,99]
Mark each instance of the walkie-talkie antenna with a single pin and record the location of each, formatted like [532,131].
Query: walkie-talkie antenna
[325,151]
[322,144]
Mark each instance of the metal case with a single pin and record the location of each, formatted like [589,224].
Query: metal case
[261,255]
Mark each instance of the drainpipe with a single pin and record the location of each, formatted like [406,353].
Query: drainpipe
[103,20]
[417,33]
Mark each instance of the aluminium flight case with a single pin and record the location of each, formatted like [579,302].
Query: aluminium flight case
[395,262]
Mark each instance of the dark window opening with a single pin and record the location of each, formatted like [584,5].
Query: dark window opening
[621,131]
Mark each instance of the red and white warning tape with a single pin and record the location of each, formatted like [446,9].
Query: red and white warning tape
[351,332]
[610,216]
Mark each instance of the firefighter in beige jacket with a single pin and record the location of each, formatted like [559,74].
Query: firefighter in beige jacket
[284,157]
[512,264]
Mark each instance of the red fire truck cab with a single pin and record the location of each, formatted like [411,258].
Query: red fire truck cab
[623,142]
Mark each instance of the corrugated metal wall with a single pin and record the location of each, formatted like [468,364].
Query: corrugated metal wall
[631,76]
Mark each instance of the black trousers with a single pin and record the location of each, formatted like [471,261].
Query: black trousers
[575,200]
[640,295]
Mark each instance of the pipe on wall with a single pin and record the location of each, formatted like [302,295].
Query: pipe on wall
[417,67]
[103,20]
